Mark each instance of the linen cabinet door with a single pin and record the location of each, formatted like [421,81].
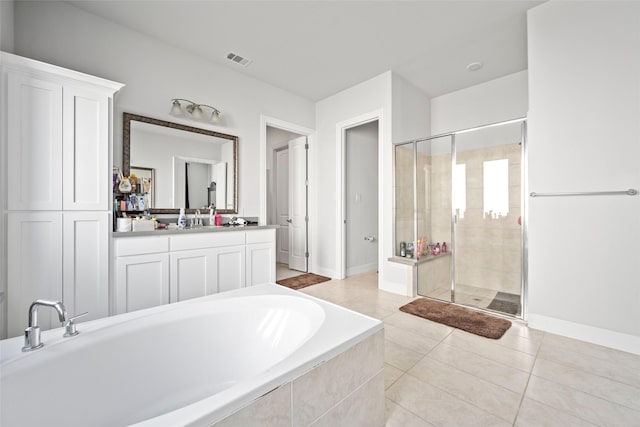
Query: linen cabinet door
[142,281]
[86,263]
[34,148]
[34,267]
[229,267]
[85,150]
[192,274]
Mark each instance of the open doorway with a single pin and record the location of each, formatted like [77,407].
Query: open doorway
[287,199]
[360,160]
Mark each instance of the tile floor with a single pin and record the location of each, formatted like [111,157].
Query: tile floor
[283,271]
[436,375]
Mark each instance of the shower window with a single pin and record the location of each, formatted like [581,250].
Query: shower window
[496,188]
[460,189]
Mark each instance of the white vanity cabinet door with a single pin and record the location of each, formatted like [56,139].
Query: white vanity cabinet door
[261,264]
[34,267]
[228,267]
[85,150]
[142,281]
[192,274]
[34,152]
[261,257]
[86,263]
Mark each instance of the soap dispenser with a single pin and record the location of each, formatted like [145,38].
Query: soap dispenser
[182,219]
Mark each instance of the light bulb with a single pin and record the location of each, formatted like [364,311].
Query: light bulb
[197,112]
[176,108]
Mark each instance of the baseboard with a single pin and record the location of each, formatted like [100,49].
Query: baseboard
[328,272]
[359,269]
[605,337]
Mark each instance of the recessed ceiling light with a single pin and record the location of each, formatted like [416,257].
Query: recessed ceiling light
[474,66]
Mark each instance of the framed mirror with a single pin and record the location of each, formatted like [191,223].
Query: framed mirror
[178,166]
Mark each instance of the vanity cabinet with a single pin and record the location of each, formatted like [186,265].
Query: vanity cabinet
[58,169]
[190,265]
[142,282]
[261,261]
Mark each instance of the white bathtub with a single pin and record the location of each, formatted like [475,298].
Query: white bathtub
[190,363]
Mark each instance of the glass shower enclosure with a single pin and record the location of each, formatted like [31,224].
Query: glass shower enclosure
[459,215]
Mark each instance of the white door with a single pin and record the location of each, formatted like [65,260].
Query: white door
[298,204]
[282,203]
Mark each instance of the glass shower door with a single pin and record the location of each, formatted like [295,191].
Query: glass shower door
[433,217]
[487,189]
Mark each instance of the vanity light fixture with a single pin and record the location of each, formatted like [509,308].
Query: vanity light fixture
[195,110]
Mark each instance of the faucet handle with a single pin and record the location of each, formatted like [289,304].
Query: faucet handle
[70,326]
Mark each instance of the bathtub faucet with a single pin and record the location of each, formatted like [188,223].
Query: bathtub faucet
[32,333]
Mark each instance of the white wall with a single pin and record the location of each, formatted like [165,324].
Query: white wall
[6,25]
[367,97]
[154,73]
[491,102]
[584,132]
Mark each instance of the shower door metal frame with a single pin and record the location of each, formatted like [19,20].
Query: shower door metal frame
[524,264]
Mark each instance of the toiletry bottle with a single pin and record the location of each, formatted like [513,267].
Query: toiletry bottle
[182,219]
[437,249]
[444,247]
[403,249]
[418,249]
[212,220]
[218,219]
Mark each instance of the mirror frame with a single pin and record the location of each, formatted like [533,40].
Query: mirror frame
[126,155]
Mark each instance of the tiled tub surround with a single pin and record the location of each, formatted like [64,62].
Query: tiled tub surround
[268,353]
[347,390]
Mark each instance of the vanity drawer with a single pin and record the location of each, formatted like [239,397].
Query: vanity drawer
[141,245]
[260,236]
[207,240]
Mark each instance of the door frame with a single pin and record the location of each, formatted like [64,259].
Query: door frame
[266,121]
[341,133]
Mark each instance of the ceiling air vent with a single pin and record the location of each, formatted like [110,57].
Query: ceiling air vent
[238,59]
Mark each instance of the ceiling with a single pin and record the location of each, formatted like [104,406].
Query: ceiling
[318,48]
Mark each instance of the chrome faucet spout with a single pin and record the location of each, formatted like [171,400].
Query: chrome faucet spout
[56,305]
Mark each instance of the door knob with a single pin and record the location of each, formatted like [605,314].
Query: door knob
[289,220]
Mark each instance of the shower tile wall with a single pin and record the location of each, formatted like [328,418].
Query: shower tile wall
[404,195]
[488,249]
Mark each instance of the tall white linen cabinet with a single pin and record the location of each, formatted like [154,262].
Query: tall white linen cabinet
[56,140]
